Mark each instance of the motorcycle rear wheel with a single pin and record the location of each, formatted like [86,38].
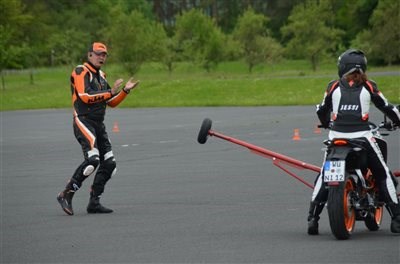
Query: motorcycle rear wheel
[342,216]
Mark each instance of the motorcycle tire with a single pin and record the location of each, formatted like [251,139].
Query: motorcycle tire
[342,215]
[373,221]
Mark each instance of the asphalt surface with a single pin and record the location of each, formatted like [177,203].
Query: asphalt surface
[175,201]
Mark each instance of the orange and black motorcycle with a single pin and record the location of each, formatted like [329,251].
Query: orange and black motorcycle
[353,195]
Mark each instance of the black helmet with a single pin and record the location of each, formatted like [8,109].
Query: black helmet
[350,61]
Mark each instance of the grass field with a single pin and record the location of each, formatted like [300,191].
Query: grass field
[230,84]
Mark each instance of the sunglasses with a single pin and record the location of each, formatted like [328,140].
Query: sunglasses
[100,53]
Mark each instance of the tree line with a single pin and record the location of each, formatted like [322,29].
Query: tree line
[45,33]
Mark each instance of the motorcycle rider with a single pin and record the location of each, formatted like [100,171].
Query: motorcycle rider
[345,109]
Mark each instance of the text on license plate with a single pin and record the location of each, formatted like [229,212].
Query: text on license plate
[334,170]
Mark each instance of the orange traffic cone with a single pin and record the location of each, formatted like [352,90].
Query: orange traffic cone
[296,135]
[115,127]
[317,130]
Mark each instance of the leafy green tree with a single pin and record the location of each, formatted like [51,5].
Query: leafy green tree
[230,12]
[90,16]
[15,51]
[68,47]
[311,32]
[62,30]
[232,48]
[50,32]
[135,39]
[363,42]
[352,17]
[13,44]
[257,47]
[142,6]
[169,52]
[199,39]
[385,23]
[382,41]
[38,31]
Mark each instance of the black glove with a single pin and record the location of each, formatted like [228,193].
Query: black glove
[324,117]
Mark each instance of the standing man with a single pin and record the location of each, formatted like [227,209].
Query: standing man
[90,95]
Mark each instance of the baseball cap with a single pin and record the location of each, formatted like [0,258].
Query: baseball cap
[98,48]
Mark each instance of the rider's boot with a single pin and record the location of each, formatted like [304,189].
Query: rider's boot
[64,198]
[95,207]
[313,217]
[394,211]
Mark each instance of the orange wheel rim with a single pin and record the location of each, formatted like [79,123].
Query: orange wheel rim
[349,214]
[378,215]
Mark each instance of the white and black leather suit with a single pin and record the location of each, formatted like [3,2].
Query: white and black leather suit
[346,107]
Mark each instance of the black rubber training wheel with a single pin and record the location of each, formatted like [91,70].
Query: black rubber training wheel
[203,133]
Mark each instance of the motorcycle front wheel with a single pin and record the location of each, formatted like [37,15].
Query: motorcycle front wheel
[341,212]
[374,218]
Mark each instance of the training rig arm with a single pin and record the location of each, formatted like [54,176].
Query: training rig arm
[277,158]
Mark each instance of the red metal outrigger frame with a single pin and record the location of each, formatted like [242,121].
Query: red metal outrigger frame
[278,159]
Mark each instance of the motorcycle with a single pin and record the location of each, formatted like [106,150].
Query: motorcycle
[352,192]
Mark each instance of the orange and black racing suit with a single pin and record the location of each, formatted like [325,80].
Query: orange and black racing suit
[90,95]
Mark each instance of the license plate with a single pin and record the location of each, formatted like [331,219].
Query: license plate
[334,170]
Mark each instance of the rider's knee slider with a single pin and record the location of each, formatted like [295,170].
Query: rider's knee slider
[93,163]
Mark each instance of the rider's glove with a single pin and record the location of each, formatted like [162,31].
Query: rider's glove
[324,117]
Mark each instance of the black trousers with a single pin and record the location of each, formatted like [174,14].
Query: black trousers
[97,152]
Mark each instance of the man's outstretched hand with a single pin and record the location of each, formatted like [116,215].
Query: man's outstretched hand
[117,85]
[127,88]
[131,84]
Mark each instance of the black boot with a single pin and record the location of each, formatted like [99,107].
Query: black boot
[394,211]
[313,217]
[395,225]
[95,207]
[64,198]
